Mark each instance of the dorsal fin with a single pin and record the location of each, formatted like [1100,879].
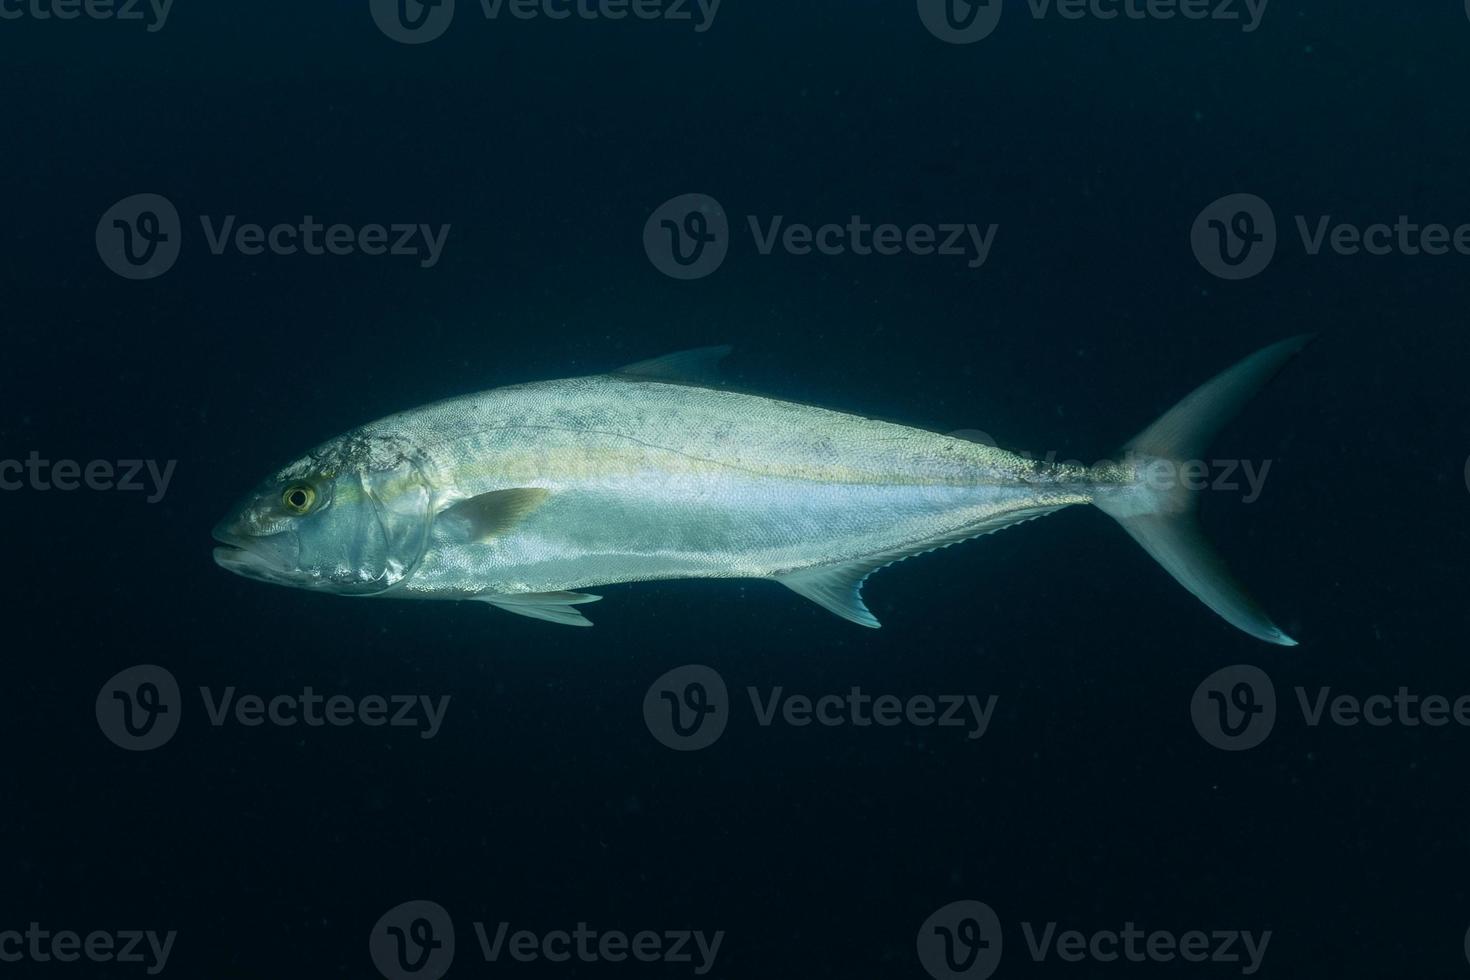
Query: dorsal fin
[699,366]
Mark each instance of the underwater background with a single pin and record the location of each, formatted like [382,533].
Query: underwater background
[1098,795]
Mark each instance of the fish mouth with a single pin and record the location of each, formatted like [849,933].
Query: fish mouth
[257,558]
[233,556]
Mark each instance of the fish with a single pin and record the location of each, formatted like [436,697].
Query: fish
[524,496]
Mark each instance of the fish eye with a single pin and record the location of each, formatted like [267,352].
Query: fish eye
[298,498]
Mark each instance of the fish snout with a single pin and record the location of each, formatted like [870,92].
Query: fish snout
[271,557]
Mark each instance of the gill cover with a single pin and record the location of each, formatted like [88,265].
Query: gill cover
[392,543]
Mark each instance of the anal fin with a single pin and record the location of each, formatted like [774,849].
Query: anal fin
[839,588]
[836,588]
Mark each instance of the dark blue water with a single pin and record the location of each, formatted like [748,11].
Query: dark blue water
[1094,798]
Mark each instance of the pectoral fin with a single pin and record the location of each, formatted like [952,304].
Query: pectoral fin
[492,514]
[554,607]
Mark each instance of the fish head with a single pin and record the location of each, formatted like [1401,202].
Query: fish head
[350,518]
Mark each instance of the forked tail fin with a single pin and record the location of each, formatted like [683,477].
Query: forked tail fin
[1163,519]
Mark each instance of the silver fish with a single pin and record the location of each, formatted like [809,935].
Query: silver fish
[523,495]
